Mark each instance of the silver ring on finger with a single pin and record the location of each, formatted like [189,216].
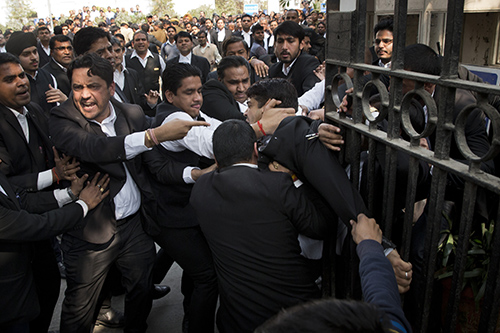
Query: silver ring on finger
[406,274]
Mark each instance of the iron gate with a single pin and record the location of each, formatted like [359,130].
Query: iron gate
[346,48]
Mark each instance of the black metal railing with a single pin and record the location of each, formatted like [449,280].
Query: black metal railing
[346,48]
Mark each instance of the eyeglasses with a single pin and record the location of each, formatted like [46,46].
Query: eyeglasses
[386,41]
[62,48]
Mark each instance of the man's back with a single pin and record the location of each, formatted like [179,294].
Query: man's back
[251,219]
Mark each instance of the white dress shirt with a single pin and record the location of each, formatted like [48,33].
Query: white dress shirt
[145,60]
[198,140]
[128,200]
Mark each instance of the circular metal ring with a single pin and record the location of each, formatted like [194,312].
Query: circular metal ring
[431,122]
[460,135]
[384,100]
[335,87]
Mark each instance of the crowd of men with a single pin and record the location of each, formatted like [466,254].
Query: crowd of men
[182,133]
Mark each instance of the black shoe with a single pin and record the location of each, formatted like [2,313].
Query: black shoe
[159,291]
[111,319]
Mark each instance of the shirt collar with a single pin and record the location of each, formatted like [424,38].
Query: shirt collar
[186,59]
[286,70]
[250,165]
[17,113]
[381,64]
[58,64]
[110,119]
[148,54]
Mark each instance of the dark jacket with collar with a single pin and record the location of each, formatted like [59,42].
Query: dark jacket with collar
[135,93]
[39,85]
[301,74]
[43,57]
[18,229]
[23,160]
[62,79]
[76,136]
[200,62]
[219,103]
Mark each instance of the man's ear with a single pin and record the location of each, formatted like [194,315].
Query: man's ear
[217,163]
[255,152]
[112,89]
[169,96]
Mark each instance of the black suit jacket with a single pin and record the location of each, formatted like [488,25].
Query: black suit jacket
[251,219]
[23,160]
[19,303]
[313,164]
[135,93]
[60,75]
[74,135]
[219,103]
[43,57]
[301,74]
[215,40]
[197,61]
[239,34]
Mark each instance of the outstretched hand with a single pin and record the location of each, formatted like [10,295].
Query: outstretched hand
[272,116]
[176,129]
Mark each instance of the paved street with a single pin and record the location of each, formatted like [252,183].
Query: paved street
[166,315]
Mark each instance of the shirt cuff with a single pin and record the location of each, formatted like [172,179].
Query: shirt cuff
[186,175]
[62,197]
[134,144]
[44,179]
[84,207]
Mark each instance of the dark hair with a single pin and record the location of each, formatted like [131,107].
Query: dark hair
[322,23]
[171,27]
[231,62]
[145,27]
[7,57]
[246,15]
[85,37]
[140,32]
[202,32]
[120,36]
[102,25]
[114,29]
[384,24]
[183,34]
[257,27]
[58,30]
[60,39]
[233,142]
[233,40]
[290,28]
[96,65]
[421,58]
[279,89]
[116,41]
[43,27]
[327,315]
[174,74]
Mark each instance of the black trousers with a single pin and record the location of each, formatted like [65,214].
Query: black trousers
[133,253]
[188,247]
[47,281]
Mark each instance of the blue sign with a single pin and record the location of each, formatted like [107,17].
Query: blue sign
[323,8]
[251,9]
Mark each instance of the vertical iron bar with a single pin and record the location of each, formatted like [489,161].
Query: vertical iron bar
[467,215]
[391,161]
[436,200]
[411,191]
[371,175]
[491,303]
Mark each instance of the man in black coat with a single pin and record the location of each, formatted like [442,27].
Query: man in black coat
[20,227]
[294,65]
[255,247]
[42,84]
[128,80]
[61,51]
[184,42]
[225,97]
[28,160]
[108,136]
